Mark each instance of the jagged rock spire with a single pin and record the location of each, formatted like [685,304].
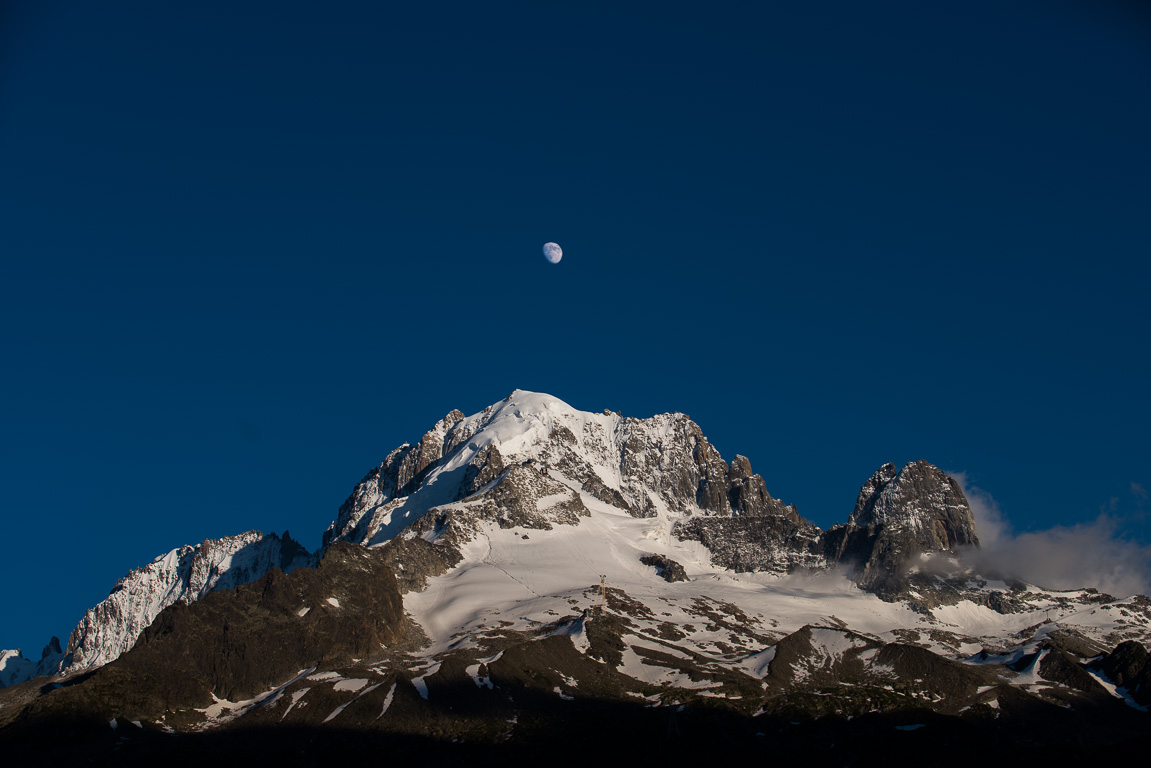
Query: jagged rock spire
[899,515]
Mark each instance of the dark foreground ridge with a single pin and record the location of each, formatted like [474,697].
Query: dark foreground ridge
[601,730]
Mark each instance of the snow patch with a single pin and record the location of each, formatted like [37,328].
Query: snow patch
[758,664]
[336,712]
[419,682]
[545,503]
[296,696]
[387,701]
[1117,692]
[322,676]
[353,684]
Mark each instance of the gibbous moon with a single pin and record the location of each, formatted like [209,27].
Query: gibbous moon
[553,253]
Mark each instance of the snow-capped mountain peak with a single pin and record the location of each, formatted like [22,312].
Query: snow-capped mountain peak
[536,549]
[660,466]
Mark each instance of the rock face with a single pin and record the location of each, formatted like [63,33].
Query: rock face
[899,515]
[920,500]
[776,543]
[1129,668]
[183,575]
[669,570]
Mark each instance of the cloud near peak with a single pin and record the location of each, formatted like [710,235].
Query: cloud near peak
[1091,554]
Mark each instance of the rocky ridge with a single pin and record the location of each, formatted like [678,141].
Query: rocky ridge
[183,575]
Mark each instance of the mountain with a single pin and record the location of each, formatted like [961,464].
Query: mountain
[14,668]
[533,572]
[182,575]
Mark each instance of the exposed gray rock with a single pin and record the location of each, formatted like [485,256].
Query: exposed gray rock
[521,500]
[669,570]
[426,453]
[899,515]
[377,488]
[483,469]
[712,487]
[776,543]
[596,488]
[1058,666]
[1129,667]
[921,499]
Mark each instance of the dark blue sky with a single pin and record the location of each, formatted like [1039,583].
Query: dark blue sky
[246,252]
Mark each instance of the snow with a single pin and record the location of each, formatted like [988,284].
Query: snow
[296,696]
[333,602]
[505,583]
[834,643]
[645,643]
[336,712]
[547,502]
[647,671]
[419,682]
[1117,692]
[219,706]
[758,664]
[14,668]
[303,612]
[481,681]
[519,426]
[325,676]
[1029,675]
[421,686]
[222,711]
[387,701]
[556,573]
[353,684]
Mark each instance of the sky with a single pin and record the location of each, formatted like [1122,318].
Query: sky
[248,249]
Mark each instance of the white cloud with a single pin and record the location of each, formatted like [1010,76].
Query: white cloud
[1094,554]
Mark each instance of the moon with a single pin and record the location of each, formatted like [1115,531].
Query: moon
[553,253]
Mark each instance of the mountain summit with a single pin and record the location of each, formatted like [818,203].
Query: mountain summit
[532,566]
